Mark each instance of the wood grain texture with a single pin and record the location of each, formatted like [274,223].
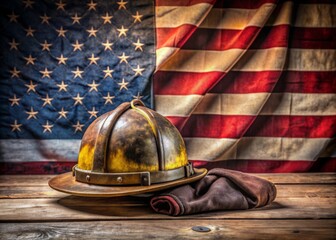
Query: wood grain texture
[74,208]
[305,208]
[177,229]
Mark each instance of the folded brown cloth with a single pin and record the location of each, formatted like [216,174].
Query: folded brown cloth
[220,189]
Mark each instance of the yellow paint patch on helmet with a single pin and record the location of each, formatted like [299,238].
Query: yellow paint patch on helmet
[85,157]
[118,163]
[179,161]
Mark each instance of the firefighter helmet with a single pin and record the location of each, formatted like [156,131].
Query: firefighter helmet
[127,151]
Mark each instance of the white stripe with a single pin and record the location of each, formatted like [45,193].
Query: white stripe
[306,104]
[217,18]
[222,61]
[31,150]
[175,105]
[240,18]
[237,19]
[174,16]
[312,59]
[163,54]
[169,59]
[256,148]
[316,15]
[271,59]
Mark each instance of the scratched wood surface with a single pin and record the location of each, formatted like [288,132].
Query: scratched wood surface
[305,208]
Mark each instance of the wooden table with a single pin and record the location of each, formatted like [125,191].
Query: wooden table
[305,208]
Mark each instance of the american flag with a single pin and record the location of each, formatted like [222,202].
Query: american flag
[63,64]
[250,84]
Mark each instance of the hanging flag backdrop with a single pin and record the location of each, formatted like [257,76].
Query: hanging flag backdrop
[251,85]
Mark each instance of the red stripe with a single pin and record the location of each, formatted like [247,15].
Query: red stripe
[205,39]
[219,126]
[271,166]
[35,167]
[174,37]
[224,39]
[182,83]
[313,38]
[307,82]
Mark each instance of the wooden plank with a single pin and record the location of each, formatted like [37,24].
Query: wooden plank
[177,229]
[24,180]
[283,178]
[42,191]
[300,178]
[283,191]
[75,208]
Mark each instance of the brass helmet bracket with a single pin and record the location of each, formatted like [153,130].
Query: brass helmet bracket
[99,174]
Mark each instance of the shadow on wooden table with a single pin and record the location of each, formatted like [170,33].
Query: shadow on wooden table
[120,206]
[131,206]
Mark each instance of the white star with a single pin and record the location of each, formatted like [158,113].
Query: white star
[13,44]
[62,86]
[78,100]
[137,17]
[92,5]
[45,19]
[108,72]
[60,5]
[32,113]
[13,17]
[93,59]
[92,32]
[93,86]
[61,32]
[30,31]
[123,85]
[107,45]
[15,72]
[122,4]
[28,3]
[77,46]
[122,31]
[123,58]
[78,73]
[31,86]
[14,100]
[138,45]
[16,126]
[76,19]
[47,127]
[108,98]
[61,59]
[138,97]
[93,113]
[62,113]
[47,100]
[46,45]
[138,70]
[46,73]
[30,60]
[78,127]
[107,18]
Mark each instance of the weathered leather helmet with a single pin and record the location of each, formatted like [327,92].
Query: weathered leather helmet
[130,150]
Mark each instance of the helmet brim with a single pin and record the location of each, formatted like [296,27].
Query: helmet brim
[67,183]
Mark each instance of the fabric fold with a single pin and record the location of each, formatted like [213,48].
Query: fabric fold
[220,189]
